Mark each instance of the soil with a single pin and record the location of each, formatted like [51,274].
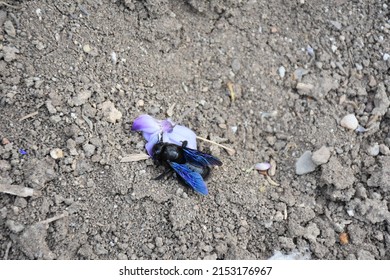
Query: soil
[75,74]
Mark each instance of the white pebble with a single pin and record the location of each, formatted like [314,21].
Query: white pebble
[334,48]
[56,153]
[234,129]
[282,71]
[87,48]
[113,57]
[373,150]
[386,56]
[39,13]
[350,122]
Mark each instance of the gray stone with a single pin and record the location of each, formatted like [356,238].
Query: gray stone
[311,232]
[9,28]
[381,101]
[381,175]
[321,156]
[33,242]
[236,65]
[341,177]
[89,150]
[365,255]
[305,164]
[39,172]
[4,165]
[10,53]
[159,241]
[13,226]
[81,98]
[110,113]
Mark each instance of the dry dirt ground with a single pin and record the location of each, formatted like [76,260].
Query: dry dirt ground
[75,74]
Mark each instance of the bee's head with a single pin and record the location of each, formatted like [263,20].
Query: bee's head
[157,150]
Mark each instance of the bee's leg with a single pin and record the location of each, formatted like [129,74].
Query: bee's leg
[205,172]
[167,171]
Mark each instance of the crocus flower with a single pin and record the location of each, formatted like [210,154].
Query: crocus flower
[165,130]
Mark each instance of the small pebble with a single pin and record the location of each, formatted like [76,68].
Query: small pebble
[114,58]
[305,164]
[384,150]
[236,65]
[5,141]
[89,149]
[334,48]
[349,121]
[344,238]
[86,48]
[56,153]
[336,24]
[359,67]
[140,103]
[321,156]
[386,56]
[110,113]
[373,150]
[282,71]
[9,28]
[13,226]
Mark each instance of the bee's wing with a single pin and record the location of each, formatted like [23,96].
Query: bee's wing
[199,158]
[192,178]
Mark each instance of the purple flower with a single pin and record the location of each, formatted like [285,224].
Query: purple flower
[155,130]
[22,152]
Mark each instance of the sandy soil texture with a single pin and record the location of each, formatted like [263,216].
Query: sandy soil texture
[303,84]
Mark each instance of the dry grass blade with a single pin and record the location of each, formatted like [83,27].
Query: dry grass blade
[135,157]
[229,150]
[231,91]
[16,190]
[2,3]
[28,116]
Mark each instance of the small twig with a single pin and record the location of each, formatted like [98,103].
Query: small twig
[229,150]
[17,190]
[8,5]
[272,182]
[55,218]
[29,116]
[7,250]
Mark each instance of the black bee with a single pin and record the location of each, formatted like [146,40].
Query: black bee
[191,165]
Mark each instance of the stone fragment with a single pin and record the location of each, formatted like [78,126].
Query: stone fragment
[305,164]
[9,28]
[110,113]
[321,156]
[349,121]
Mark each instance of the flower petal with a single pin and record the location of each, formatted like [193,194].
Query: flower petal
[147,136]
[262,166]
[152,141]
[146,123]
[166,125]
[179,134]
